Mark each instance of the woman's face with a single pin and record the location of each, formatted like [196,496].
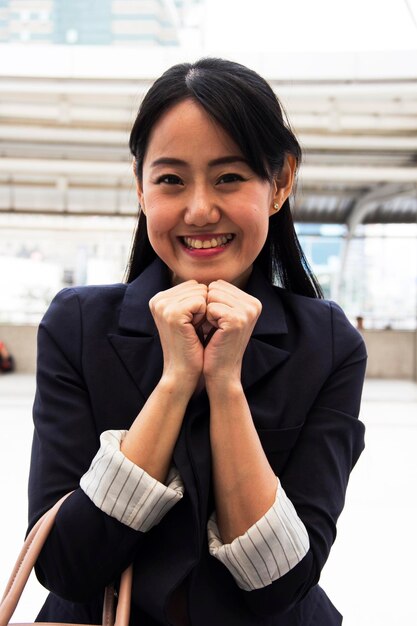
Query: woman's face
[207,211]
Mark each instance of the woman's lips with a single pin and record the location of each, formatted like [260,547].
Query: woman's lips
[207,242]
[206,245]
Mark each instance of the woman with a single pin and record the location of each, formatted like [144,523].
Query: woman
[221,411]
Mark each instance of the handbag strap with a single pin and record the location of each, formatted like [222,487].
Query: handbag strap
[26,561]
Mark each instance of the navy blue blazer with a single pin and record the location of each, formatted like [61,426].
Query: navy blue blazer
[99,358]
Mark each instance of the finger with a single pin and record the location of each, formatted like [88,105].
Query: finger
[219,314]
[199,317]
[222,288]
[192,308]
[179,297]
[188,298]
[224,294]
[240,301]
[181,292]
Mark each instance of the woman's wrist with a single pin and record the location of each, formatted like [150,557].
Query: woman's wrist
[222,388]
[150,440]
[179,386]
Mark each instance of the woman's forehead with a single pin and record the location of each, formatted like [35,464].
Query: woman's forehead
[185,129]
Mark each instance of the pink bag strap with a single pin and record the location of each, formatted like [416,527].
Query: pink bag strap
[26,562]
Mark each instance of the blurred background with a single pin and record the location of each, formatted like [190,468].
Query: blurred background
[72,75]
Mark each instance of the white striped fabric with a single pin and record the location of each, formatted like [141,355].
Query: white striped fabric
[267,550]
[125,491]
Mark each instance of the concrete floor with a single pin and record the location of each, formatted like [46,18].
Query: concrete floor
[370,574]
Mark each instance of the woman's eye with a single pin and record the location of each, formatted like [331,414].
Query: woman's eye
[169,179]
[230,178]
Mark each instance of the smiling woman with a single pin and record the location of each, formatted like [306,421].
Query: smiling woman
[205,413]
[207,210]
[238,111]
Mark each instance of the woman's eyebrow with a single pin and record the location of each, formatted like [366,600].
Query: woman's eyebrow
[220,161]
[228,159]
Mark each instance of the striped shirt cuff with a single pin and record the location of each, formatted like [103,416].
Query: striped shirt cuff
[267,550]
[125,491]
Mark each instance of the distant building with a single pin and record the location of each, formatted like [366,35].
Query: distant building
[95,22]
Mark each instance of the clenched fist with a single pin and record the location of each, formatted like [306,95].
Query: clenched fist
[227,315]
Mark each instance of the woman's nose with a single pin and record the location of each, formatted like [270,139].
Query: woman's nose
[201,210]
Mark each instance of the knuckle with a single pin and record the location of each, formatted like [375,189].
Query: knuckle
[152,304]
[158,307]
[241,322]
[255,306]
[170,316]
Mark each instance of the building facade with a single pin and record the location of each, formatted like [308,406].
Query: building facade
[95,22]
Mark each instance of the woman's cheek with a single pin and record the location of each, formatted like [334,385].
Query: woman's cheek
[160,217]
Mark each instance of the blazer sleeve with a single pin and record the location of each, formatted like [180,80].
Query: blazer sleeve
[86,548]
[316,475]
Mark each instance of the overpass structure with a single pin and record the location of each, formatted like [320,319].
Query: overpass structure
[65,116]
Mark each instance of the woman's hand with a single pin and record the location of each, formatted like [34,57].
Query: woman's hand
[233,313]
[177,312]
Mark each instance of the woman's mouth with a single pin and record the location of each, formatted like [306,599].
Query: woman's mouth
[207,241]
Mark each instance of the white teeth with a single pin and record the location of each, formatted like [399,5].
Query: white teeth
[215,242]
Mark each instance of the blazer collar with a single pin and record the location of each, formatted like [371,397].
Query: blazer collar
[272,318]
[142,353]
[136,317]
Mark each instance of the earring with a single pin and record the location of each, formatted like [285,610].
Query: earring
[276,206]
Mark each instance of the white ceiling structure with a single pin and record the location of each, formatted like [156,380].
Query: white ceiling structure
[65,116]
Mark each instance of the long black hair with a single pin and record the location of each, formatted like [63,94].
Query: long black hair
[244,104]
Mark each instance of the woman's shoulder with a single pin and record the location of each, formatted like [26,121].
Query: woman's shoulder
[308,304]
[80,301]
[321,317]
[90,293]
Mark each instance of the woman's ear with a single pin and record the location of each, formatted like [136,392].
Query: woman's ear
[284,182]
[139,190]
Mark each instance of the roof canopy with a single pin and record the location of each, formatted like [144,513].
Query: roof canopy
[65,119]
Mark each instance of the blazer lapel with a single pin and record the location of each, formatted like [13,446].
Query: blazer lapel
[263,353]
[142,357]
[138,346]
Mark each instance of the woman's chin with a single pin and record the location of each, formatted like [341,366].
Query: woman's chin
[205,278]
